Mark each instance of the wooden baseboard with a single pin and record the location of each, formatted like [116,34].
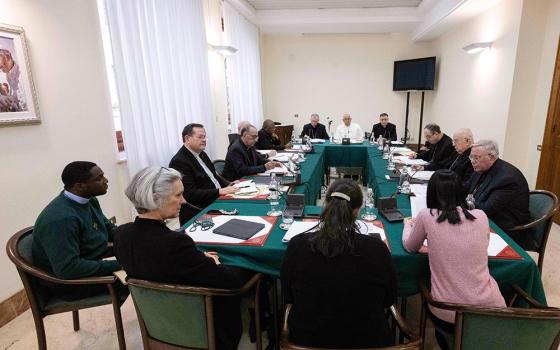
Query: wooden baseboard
[13,307]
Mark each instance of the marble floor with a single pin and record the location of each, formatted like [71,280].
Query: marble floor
[98,328]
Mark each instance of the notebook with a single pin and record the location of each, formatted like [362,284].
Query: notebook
[238,228]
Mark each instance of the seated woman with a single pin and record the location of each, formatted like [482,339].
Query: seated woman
[147,249]
[458,243]
[339,281]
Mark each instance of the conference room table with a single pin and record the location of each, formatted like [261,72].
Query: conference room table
[411,268]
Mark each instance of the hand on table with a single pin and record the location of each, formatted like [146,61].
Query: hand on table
[272,165]
[227,190]
[214,256]
[417,167]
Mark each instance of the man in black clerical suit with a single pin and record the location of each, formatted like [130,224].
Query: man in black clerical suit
[268,139]
[500,190]
[242,159]
[201,182]
[384,129]
[438,149]
[314,129]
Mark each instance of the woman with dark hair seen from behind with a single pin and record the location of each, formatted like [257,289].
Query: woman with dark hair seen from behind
[339,281]
[458,251]
[147,249]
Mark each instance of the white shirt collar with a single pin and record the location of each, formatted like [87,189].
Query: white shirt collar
[196,154]
[76,198]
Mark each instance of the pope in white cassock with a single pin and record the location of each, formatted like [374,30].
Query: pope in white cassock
[348,129]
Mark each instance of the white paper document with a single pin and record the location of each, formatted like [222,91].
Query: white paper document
[209,236]
[418,201]
[317,141]
[298,227]
[265,151]
[367,228]
[277,170]
[242,184]
[423,175]
[496,244]
[281,157]
[407,161]
[248,190]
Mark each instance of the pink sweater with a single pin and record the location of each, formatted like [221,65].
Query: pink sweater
[458,259]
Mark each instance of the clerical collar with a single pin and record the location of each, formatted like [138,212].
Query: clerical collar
[76,198]
[193,152]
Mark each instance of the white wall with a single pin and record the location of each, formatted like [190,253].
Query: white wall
[474,89]
[334,74]
[66,57]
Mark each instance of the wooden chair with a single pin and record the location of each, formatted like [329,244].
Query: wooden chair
[542,207]
[489,328]
[43,303]
[219,165]
[415,342]
[173,316]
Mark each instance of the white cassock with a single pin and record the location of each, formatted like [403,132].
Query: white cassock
[354,132]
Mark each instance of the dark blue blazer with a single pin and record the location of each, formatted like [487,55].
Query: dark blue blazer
[503,195]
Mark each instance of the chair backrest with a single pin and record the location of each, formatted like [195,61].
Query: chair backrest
[542,204]
[232,138]
[219,165]
[508,329]
[172,316]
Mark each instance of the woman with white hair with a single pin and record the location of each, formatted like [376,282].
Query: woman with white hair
[148,249]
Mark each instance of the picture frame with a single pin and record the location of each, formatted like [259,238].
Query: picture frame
[18,99]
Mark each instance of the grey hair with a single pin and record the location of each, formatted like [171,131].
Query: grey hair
[466,132]
[434,128]
[314,115]
[242,125]
[150,187]
[489,146]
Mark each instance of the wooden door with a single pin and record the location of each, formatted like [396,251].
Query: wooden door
[549,167]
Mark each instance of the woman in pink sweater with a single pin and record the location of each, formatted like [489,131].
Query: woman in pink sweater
[458,249]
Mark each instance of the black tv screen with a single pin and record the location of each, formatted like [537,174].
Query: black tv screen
[416,74]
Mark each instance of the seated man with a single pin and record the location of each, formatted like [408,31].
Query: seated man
[460,163]
[234,137]
[242,159]
[314,129]
[202,184]
[438,150]
[71,234]
[268,139]
[384,129]
[348,129]
[500,190]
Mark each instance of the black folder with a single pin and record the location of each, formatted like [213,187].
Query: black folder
[237,228]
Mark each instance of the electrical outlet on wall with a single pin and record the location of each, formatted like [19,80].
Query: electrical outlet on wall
[296,115]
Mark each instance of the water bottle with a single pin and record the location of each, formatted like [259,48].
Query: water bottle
[404,181]
[274,197]
[390,163]
[273,185]
[369,206]
[372,139]
[386,151]
[293,140]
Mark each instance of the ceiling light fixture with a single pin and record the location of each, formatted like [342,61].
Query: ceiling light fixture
[477,47]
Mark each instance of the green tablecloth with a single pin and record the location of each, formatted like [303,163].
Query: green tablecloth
[410,267]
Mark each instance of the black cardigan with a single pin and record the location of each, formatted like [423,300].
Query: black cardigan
[339,302]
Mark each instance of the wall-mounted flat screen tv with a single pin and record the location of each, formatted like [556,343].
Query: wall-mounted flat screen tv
[416,74]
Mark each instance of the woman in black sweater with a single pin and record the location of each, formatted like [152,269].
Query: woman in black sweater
[339,281]
[148,250]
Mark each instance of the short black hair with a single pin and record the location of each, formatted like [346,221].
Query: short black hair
[384,115]
[76,172]
[188,130]
[445,193]
[434,128]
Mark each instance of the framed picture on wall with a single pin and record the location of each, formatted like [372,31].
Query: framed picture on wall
[18,101]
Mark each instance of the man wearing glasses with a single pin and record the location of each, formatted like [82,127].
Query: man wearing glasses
[242,159]
[500,190]
[201,182]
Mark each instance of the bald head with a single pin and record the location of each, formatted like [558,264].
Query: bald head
[347,119]
[463,140]
[242,125]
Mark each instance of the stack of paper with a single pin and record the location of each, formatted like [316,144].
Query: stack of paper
[298,227]
[277,170]
[317,141]
[407,161]
[281,157]
[423,175]
[418,201]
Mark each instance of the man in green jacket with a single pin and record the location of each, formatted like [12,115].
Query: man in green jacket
[71,234]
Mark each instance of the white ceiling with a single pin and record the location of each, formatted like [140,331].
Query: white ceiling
[329,4]
[422,19]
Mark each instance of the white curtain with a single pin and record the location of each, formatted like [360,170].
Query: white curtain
[243,69]
[161,67]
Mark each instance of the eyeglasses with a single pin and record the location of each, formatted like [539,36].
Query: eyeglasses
[204,223]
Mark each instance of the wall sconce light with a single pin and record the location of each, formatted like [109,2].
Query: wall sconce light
[477,47]
[224,50]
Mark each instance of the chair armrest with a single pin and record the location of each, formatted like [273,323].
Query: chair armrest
[534,223]
[530,300]
[403,326]
[38,273]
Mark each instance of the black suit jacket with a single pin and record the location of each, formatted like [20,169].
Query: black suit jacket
[318,132]
[267,141]
[461,164]
[241,161]
[439,154]
[199,189]
[503,194]
[147,249]
[389,132]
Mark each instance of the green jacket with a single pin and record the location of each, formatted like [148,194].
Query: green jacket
[70,239]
